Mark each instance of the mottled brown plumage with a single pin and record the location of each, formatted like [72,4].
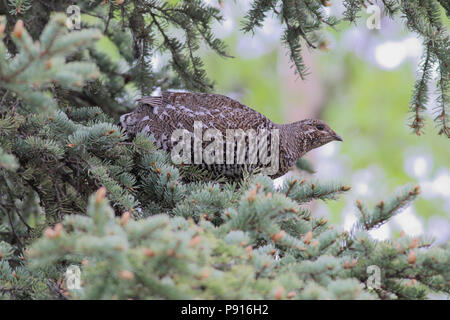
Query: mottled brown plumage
[160,116]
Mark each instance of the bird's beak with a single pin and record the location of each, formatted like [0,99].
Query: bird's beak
[338,138]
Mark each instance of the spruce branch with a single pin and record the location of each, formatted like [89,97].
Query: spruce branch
[19,7]
[37,65]
[305,191]
[420,95]
[352,8]
[443,88]
[446,5]
[384,210]
[391,7]
[256,15]
[425,20]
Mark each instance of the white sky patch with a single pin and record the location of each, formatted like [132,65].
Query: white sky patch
[427,190]
[361,188]
[413,47]
[364,181]
[419,166]
[326,169]
[441,184]
[278,182]
[251,47]
[245,4]
[409,222]
[156,62]
[349,218]
[228,24]
[156,92]
[437,187]
[271,29]
[389,55]
[381,233]
[439,227]
[327,150]
[322,211]
[265,39]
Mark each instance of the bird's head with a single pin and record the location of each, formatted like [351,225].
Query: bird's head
[314,133]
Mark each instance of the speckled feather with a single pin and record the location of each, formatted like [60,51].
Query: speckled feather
[160,116]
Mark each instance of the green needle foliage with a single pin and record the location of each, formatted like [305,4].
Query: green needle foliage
[152,230]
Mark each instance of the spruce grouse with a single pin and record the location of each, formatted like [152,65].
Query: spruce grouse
[161,116]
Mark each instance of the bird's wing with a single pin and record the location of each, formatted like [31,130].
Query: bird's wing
[162,115]
[151,101]
[214,110]
[195,101]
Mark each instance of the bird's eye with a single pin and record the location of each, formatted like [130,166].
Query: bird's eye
[320,127]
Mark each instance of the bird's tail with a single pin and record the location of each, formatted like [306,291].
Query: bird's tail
[129,122]
[125,120]
[152,101]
